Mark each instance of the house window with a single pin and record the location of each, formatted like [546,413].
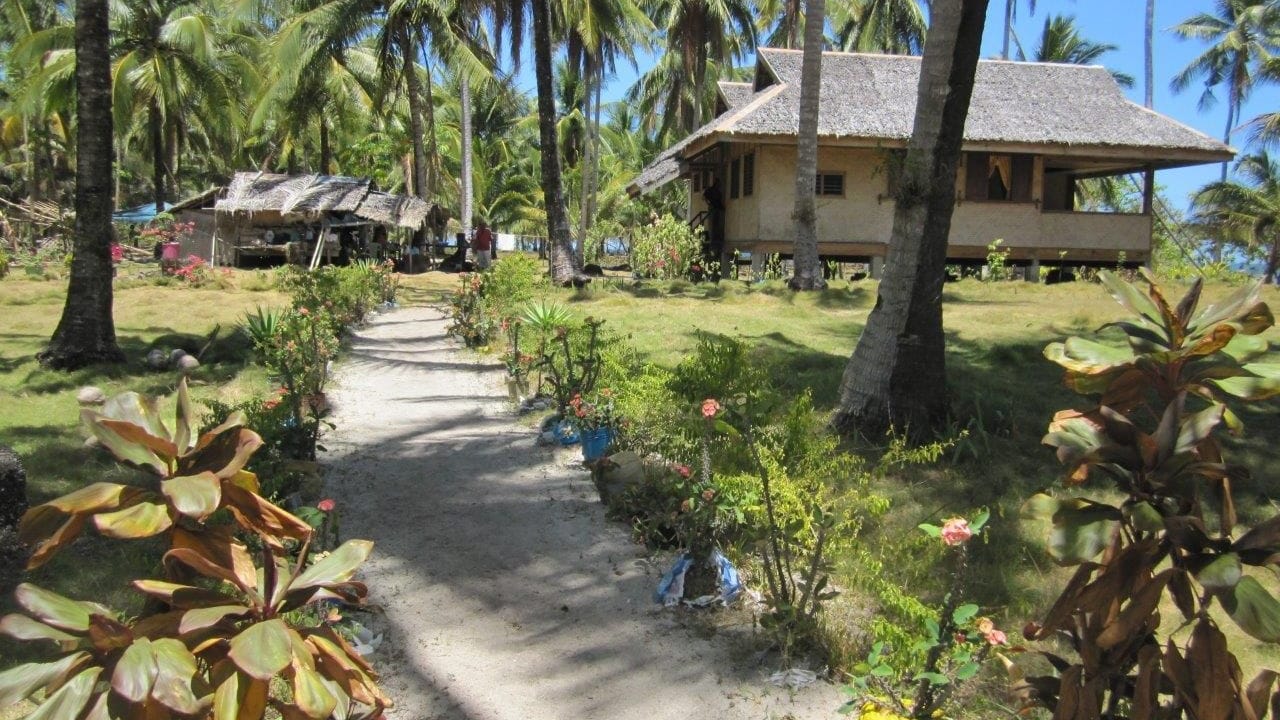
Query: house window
[697,181]
[998,177]
[829,184]
[735,173]
[748,174]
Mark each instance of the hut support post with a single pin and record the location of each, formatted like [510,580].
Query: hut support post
[320,243]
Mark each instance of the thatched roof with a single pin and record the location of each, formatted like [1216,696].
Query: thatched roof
[391,209]
[735,94]
[1027,107]
[309,196]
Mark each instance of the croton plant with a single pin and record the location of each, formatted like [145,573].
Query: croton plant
[227,634]
[1153,434]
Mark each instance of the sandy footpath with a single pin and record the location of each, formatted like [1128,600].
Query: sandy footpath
[506,593]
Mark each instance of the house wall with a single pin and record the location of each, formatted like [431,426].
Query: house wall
[860,222]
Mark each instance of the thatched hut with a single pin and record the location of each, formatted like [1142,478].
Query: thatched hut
[272,216]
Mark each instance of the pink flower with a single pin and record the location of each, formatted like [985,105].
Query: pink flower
[956,531]
[709,408]
[708,495]
[303,311]
[326,505]
[997,637]
[684,471]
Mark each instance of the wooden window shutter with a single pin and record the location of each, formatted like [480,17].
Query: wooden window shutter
[975,176]
[748,174]
[1023,169]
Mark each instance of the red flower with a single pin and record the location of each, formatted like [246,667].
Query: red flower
[709,408]
[326,505]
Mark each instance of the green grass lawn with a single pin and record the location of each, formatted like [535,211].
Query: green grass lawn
[39,416]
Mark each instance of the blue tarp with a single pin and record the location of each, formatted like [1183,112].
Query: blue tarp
[137,215]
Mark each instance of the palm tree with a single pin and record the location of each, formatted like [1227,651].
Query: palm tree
[509,18]
[168,69]
[1148,55]
[1241,33]
[86,333]
[1061,42]
[1011,16]
[700,35]
[1247,207]
[895,27]
[808,267]
[896,376]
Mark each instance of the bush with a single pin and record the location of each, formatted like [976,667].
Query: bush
[1151,433]
[472,324]
[666,249]
[4,263]
[510,283]
[283,441]
[227,626]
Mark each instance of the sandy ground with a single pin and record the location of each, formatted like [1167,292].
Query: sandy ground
[505,591]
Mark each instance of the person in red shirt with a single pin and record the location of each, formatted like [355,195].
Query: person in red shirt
[481,245]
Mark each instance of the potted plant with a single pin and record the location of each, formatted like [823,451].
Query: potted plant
[594,417]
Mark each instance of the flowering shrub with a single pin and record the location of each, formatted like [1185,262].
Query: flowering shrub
[666,249]
[167,231]
[594,411]
[472,324]
[117,253]
[955,642]
[299,353]
[194,271]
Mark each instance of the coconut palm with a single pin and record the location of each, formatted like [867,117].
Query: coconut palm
[896,27]
[1061,42]
[509,22]
[168,69]
[86,333]
[808,267]
[1148,55]
[701,36]
[1241,35]
[1010,17]
[1247,208]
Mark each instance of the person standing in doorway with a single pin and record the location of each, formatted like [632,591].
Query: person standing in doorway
[481,245]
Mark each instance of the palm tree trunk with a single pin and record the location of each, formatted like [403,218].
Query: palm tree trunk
[1148,53]
[1273,263]
[808,268]
[564,266]
[588,161]
[595,153]
[86,333]
[468,190]
[413,88]
[700,73]
[155,124]
[1008,28]
[433,150]
[897,374]
[326,152]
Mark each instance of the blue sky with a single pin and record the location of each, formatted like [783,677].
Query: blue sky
[1118,22]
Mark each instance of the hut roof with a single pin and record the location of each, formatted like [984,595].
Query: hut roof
[735,94]
[312,195]
[872,98]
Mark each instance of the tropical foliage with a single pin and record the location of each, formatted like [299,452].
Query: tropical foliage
[1152,434]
